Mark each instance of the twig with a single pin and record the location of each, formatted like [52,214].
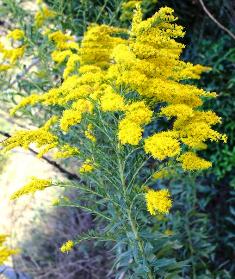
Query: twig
[68,174]
[215,20]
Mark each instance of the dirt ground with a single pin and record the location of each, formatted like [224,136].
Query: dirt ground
[16,217]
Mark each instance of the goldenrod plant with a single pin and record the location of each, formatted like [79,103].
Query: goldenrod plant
[116,87]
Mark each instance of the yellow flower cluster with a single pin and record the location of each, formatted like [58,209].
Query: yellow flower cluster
[74,115]
[66,151]
[5,252]
[30,100]
[87,166]
[158,201]
[4,67]
[112,101]
[149,64]
[11,55]
[161,146]
[190,161]
[16,34]
[43,14]
[130,75]
[137,115]
[43,138]
[67,246]
[34,185]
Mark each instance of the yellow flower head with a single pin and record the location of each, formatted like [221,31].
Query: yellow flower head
[112,101]
[16,34]
[67,246]
[158,201]
[86,167]
[190,162]
[161,146]
[129,132]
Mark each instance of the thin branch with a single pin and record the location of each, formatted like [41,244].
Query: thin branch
[68,174]
[215,20]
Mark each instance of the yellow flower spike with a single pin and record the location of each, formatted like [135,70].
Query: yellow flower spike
[42,137]
[158,201]
[36,184]
[191,162]
[30,100]
[67,246]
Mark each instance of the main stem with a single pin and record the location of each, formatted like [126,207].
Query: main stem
[130,219]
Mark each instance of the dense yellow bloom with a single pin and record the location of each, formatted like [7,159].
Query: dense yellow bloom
[67,246]
[130,127]
[34,185]
[131,76]
[190,162]
[161,146]
[87,166]
[129,132]
[182,111]
[98,43]
[16,34]
[158,201]
[138,113]
[112,101]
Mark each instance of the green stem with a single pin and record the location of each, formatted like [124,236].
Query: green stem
[139,242]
